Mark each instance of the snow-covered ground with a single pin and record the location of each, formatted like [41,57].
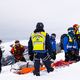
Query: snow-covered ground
[67,73]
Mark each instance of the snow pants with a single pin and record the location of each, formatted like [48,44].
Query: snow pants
[72,55]
[45,59]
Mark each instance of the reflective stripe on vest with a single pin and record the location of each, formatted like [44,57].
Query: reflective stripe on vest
[15,47]
[38,40]
[68,46]
[71,46]
[77,32]
[70,39]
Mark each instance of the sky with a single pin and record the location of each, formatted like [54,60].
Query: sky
[18,18]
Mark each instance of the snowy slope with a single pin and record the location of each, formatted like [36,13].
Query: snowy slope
[66,73]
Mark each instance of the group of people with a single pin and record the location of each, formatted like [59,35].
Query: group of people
[70,43]
[42,46]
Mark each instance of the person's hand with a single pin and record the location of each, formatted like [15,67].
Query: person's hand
[72,52]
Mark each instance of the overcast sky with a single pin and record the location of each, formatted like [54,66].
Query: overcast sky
[18,18]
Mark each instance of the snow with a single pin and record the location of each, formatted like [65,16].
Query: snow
[65,73]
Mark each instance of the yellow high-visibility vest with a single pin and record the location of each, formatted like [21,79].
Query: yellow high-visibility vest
[38,40]
[77,32]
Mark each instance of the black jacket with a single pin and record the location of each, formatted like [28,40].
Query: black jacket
[0,53]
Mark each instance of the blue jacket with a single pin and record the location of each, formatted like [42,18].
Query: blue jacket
[68,45]
[53,44]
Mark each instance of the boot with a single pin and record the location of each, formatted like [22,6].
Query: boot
[50,70]
[36,73]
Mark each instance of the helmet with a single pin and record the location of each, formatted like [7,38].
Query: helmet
[53,34]
[39,25]
[71,29]
[76,25]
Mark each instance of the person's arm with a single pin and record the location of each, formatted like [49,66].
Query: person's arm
[30,49]
[0,53]
[65,42]
[12,50]
[48,44]
[22,49]
[54,45]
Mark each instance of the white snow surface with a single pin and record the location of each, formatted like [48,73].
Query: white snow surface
[65,73]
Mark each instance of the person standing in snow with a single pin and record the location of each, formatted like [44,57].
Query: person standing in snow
[17,51]
[0,56]
[76,29]
[53,45]
[70,46]
[38,48]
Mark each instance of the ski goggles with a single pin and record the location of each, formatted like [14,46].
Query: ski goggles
[71,30]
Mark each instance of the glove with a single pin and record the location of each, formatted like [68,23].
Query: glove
[73,52]
[31,57]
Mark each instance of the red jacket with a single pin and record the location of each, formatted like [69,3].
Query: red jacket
[17,51]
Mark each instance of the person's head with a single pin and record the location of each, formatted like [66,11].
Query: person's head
[53,35]
[17,42]
[76,27]
[39,27]
[71,31]
[0,41]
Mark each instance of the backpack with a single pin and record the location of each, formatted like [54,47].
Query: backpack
[61,40]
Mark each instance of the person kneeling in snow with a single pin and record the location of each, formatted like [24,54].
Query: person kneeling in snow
[17,51]
[38,48]
[70,46]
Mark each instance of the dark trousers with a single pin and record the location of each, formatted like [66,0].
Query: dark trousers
[72,55]
[45,59]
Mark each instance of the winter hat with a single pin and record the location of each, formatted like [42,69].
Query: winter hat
[39,25]
[16,41]
[53,34]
